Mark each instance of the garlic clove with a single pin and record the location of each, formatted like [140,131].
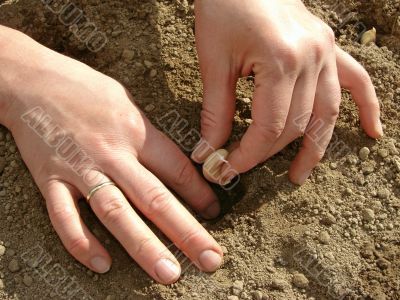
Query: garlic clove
[369,37]
[213,165]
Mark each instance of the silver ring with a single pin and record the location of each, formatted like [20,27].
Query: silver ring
[96,188]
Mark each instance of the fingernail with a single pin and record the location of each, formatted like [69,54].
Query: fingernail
[212,211]
[167,271]
[380,129]
[228,178]
[100,264]
[303,177]
[210,260]
[202,150]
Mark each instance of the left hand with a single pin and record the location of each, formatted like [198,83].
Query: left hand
[298,73]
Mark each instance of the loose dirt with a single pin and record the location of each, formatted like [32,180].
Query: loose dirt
[337,235]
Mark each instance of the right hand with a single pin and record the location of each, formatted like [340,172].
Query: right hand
[101,120]
[298,73]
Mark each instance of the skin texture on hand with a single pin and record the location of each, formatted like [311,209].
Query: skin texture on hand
[298,74]
[57,98]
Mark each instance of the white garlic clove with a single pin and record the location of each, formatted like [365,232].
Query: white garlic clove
[213,165]
[369,37]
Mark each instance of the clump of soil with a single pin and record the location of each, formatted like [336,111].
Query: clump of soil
[338,235]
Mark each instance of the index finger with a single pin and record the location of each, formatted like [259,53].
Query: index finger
[271,104]
[165,160]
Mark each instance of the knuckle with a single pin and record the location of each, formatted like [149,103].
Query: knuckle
[290,58]
[142,247]
[62,214]
[300,130]
[208,119]
[329,35]
[190,238]
[270,132]
[159,201]
[317,154]
[184,174]
[77,246]
[319,49]
[111,209]
[332,112]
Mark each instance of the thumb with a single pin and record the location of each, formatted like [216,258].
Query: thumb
[217,111]
[355,78]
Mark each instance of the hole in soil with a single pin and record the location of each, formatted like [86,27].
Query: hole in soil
[228,195]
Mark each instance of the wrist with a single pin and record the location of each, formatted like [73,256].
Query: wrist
[20,59]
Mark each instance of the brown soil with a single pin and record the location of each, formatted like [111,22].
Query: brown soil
[339,232]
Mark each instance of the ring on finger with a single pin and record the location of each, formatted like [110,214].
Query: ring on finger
[94,189]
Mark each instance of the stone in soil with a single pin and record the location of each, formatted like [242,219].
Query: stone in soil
[237,287]
[27,280]
[328,219]
[324,237]
[13,266]
[364,153]
[2,250]
[368,215]
[257,295]
[300,281]
[279,284]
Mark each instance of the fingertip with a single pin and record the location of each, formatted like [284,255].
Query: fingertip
[376,132]
[297,174]
[167,271]
[211,260]
[212,211]
[201,151]
[100,264]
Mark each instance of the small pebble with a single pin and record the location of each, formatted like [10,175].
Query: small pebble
[383,193]
[1,284]
[328,219]
[149,107]
[148,64]
[396,163]
[237,287]
[368,169]
[392,148]
[128,55]
[364,153]
[257,295]
[13,266]
[2,250]
[153,73]
[300,281]
[27,280]
[279,284]
[383,153]
[383,263]
[348,192]
[329,255]
[233,297]
[324,237]
[333,166]
[368,215]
